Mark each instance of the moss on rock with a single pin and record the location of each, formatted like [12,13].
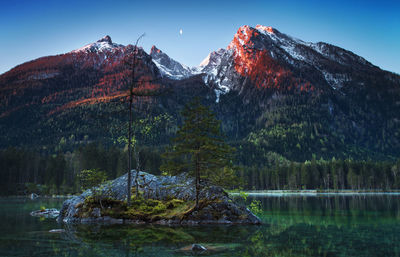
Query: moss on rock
[140,209]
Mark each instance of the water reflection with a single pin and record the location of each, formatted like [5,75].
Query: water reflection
[329,225]
[331,209]
[169,241]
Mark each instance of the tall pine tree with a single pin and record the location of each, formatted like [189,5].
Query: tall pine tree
[200,150]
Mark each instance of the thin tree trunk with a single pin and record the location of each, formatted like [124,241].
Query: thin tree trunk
[130,126]
[129,184]
[197,181]
[130,149]
[137,170]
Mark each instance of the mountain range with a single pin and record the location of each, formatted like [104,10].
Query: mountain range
[275,95]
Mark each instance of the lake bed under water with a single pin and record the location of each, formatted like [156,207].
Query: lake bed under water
[293,225]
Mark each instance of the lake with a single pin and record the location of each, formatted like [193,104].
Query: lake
[294,225]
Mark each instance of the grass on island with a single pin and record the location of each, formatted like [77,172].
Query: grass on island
[140,209]
[150,210]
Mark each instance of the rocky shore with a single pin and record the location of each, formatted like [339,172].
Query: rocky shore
[215,205]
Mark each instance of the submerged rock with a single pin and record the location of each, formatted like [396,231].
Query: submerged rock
[46,213]
[198,248]
[207,249]
[33,196]
[215,206]
[57,231]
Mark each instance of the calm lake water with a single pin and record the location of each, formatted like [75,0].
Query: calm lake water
[295,225]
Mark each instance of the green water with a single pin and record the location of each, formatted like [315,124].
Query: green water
[295,225]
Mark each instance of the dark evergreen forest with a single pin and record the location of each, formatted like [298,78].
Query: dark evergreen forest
[24,171]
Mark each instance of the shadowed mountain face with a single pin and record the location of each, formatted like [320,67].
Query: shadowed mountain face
[271,91]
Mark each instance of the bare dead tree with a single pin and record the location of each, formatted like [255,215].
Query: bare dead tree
[132,94]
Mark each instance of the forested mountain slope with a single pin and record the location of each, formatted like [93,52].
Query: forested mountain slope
[273,93]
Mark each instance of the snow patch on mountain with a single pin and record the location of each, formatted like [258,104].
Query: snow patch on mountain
[336,81]
[215,68]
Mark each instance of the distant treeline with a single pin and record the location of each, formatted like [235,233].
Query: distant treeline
[24,171]
[322,174]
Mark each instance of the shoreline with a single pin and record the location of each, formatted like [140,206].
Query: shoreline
[39,196]
[261,192]
[315,192]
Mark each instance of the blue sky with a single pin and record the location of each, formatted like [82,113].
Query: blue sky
[32,29]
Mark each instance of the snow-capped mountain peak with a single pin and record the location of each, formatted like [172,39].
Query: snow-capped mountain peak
[260,53]
[102,45]
[154,50]
[214,58]
[105,39]
[206,61]
[330,62]
[266,29]
[168,66]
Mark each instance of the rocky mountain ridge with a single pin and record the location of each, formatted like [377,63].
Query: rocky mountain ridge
[266,87]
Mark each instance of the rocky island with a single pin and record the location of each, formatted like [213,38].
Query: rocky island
[161,200]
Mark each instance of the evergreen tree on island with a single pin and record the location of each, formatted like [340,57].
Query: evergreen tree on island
[200,150]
